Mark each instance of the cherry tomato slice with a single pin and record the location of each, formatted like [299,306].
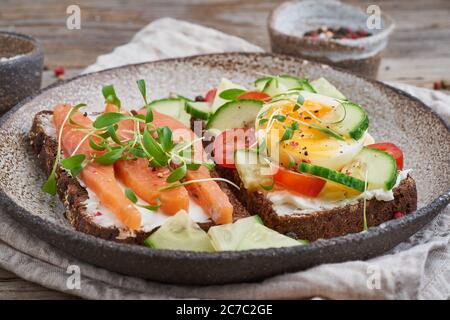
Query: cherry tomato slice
[299,183]
[228,142]
[254,95]
[210,95]
[392,149]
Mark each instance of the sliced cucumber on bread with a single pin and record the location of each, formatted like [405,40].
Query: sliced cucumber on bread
[235,114]
[349,119]
[180,232]
[200,110]
[228,236]
[275,85]
[355,122]
[380,167]
[174,107]
[323,86]
[332,175]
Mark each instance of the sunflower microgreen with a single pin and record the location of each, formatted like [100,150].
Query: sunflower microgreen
[109,93]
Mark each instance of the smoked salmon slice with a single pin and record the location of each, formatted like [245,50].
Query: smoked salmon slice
[146,181]
[99,178]
[207,194]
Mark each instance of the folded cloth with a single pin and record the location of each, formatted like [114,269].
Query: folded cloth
[418,268]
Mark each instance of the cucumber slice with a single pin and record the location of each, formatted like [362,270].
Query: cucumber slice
[323,86]
[235,114]
[355,123]
[200,110]
[174,107]
[225,84]
[381,168]
[275,85]
[180,232]
[252,171]
[228,236]
[332,175]
[261,237]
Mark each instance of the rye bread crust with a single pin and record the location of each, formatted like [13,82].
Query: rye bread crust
[73,195]
[326,223]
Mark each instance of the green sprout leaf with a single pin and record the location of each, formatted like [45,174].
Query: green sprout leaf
[151,207]
[165,138]
[110,157]
[263,121]
[288,133]
[154,149]
[108,119]
[96,146]
[142,89]
[110,95]
[295,126]
[112,133]
[231,94]
[177,174]
[133,198]
[280,118]
[74,164]
[149,115]
[193,166]
[50,185]
[138,152]
[130,195]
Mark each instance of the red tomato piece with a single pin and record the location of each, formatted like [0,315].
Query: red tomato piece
[254,95]
[210,95]
[299,183]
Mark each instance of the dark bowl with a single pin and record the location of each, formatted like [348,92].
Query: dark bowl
[291,20]
[21,63]
[395,116]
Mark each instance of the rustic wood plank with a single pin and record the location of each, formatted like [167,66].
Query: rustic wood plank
[13,288]
[417,53]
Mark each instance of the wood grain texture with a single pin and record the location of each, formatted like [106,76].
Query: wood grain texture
[418,52]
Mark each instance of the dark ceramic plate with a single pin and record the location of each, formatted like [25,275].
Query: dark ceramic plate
[394,116]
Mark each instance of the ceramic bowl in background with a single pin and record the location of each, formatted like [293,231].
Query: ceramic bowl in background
[21,63]
[291,20]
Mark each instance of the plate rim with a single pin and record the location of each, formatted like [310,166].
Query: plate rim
[19,213]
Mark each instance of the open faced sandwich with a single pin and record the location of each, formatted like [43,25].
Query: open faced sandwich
[288,162]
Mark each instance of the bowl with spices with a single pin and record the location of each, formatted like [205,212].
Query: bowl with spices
[331,32]
[21,63]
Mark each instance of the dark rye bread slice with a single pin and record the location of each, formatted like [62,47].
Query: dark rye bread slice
[73,195]
[326,223]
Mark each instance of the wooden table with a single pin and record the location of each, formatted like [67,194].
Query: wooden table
[418,53]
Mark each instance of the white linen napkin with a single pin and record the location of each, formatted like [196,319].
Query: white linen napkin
[416,269]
